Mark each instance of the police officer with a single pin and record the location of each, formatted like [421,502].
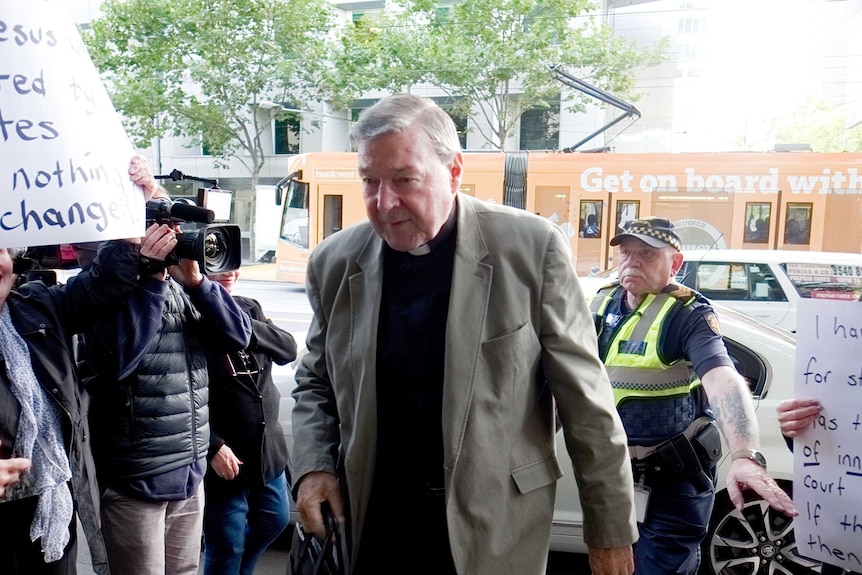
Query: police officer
[673,381]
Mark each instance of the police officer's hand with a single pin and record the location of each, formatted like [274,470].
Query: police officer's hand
[611,560]
[746,474]
[315,488]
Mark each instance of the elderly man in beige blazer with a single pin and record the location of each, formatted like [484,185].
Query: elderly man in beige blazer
[447,332]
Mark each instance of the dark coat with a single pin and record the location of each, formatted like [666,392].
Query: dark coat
[46,318]
[244,408]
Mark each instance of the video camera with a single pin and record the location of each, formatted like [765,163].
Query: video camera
[216,248]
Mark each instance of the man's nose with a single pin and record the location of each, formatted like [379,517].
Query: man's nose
[387,199]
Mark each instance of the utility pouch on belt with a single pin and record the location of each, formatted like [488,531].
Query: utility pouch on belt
[683,456]
[678,456]
[707,444]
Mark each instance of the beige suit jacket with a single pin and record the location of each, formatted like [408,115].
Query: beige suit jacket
[518,333]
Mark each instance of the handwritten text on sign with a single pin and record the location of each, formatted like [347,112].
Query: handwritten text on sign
[64,155]
[827,482]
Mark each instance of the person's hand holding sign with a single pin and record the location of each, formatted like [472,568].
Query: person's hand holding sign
[140,174]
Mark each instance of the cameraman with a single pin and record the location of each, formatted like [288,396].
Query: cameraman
[150,417]
[46,468]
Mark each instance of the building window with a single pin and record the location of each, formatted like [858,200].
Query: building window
[366,17]
[460,126]
[286,134]
[540,128]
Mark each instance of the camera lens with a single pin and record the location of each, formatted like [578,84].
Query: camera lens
[216,249]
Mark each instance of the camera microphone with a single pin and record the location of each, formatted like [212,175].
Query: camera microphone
[192,213]
[162,209]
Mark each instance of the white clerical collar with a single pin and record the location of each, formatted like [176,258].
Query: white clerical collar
[422,250]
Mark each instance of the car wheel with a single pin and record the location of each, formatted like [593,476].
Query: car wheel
[758,541]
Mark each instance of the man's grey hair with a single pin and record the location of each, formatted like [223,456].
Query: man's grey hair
[398,112]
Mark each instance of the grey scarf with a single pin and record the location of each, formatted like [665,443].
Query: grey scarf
[40,439]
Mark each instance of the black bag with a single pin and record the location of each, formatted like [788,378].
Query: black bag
[309,555]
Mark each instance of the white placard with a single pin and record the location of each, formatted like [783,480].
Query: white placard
[827,481]
[64,154]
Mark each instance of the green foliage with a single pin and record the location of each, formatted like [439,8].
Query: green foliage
[818,124]
[490,56]
[198,68]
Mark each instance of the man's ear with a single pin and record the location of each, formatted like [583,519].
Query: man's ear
[456,171]
[678,260]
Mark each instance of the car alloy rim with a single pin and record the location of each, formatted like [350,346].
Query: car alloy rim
[758,541]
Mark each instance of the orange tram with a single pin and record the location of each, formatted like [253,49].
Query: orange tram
[770,200]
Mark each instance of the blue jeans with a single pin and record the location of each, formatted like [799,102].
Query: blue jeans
[677,519]
[239,529]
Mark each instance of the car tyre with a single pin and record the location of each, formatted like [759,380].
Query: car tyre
[758,541]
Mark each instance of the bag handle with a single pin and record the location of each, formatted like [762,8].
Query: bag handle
[330,553]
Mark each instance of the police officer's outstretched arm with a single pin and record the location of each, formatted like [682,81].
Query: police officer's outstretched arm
[731,402]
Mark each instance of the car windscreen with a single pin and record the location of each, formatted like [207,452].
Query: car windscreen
[825,281]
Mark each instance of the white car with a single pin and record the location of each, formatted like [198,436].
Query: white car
[766,284]
[759,540]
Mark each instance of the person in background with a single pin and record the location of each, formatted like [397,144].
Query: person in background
[445,330]
[46,466]
[149,415]
[794,416]
[247,503]
[592,228]
[672,380]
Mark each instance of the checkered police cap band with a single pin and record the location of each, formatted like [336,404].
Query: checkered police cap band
[654,231]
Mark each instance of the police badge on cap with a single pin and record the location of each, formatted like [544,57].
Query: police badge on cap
[657,232]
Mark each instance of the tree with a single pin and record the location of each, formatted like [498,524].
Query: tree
[818,124]
[490,56]
[202,68]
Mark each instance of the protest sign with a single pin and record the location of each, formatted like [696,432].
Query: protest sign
[827,482]
[64,154]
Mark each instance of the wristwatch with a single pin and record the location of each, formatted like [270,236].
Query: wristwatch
[751,454]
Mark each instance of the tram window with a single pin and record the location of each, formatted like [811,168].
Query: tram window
[757,217]
[626,212]
[332,214]
[797,227]
[591,219]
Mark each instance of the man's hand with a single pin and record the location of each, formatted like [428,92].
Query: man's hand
[746,474]
[795,415]
[611,560]
[315,488]
[188,273]
[225,463]
[159,241]
[139,173]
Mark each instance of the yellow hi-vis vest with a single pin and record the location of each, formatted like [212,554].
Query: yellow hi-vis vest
[633,363]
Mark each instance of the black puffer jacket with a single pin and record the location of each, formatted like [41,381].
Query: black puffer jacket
[150,409]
